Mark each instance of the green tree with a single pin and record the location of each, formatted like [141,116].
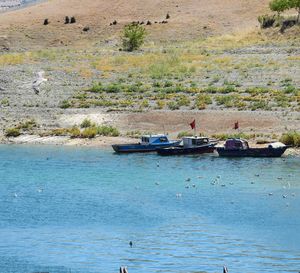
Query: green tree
[279,5]
[133,37]
[295,4]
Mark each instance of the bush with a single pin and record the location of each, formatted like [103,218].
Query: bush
[90,132]
[27,125]
[173,105]
[278,5]
[86,123]
[291,138]
[202,100]
[12,132]
[74,132]
[105,130]
[65,104]
[133,37]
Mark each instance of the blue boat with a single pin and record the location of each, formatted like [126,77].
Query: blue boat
[236,147]
[149,143]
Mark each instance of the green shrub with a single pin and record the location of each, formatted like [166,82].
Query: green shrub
[105,130]
[291,138]
[144,104]
[59,132]
[160,104]
[86,123]
[27,125]
[89,132]
[133,37]
[4,102]
[12,132]
[74,132]
[173,105]
[202,100]
[65,104]
[183,100]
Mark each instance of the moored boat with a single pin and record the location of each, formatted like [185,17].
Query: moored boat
[190,145]
[236,147]
[149,143]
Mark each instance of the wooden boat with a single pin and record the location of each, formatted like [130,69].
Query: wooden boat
[190,145]
[236,147]
[149,143]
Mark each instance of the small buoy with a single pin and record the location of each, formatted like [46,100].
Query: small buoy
[187,186]
[252,182]
[223,185]
[157,164]
[156,183]
[188,179]
[219,176]
[194,186]
[270,194]
[284,196]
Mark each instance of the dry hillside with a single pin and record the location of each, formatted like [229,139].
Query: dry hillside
[189,19]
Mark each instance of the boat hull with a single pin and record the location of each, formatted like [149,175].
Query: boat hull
[140,148]
[186,151]
[252,152]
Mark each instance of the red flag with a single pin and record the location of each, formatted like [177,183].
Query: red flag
[193,124]
[236,125]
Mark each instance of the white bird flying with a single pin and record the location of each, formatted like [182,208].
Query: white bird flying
[38,82]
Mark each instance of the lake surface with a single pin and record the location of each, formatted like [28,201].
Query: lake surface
[66,209]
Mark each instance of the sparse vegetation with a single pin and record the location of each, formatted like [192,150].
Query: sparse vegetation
[133,37]
[12,132]
[291,138]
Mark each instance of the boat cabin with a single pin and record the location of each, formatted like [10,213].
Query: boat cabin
[236,144]
[154,139]
[189,142]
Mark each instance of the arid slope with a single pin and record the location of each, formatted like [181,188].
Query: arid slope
[189,19]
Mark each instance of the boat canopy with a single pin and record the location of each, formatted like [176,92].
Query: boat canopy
[236,143]
[194,141]
[154,139]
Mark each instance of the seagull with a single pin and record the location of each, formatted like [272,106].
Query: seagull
[130,243]
[225,270]
[38,82]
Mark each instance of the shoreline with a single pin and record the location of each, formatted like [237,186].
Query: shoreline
[21,6]
[103,142]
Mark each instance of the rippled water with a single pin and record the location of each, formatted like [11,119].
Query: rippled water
[76,209]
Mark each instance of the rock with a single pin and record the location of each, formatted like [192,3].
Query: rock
[67,20]
[73,20]
[86,29]
[46,22]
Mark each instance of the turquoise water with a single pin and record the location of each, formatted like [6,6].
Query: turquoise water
[76,209]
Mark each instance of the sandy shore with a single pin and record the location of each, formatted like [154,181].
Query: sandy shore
[97,142]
